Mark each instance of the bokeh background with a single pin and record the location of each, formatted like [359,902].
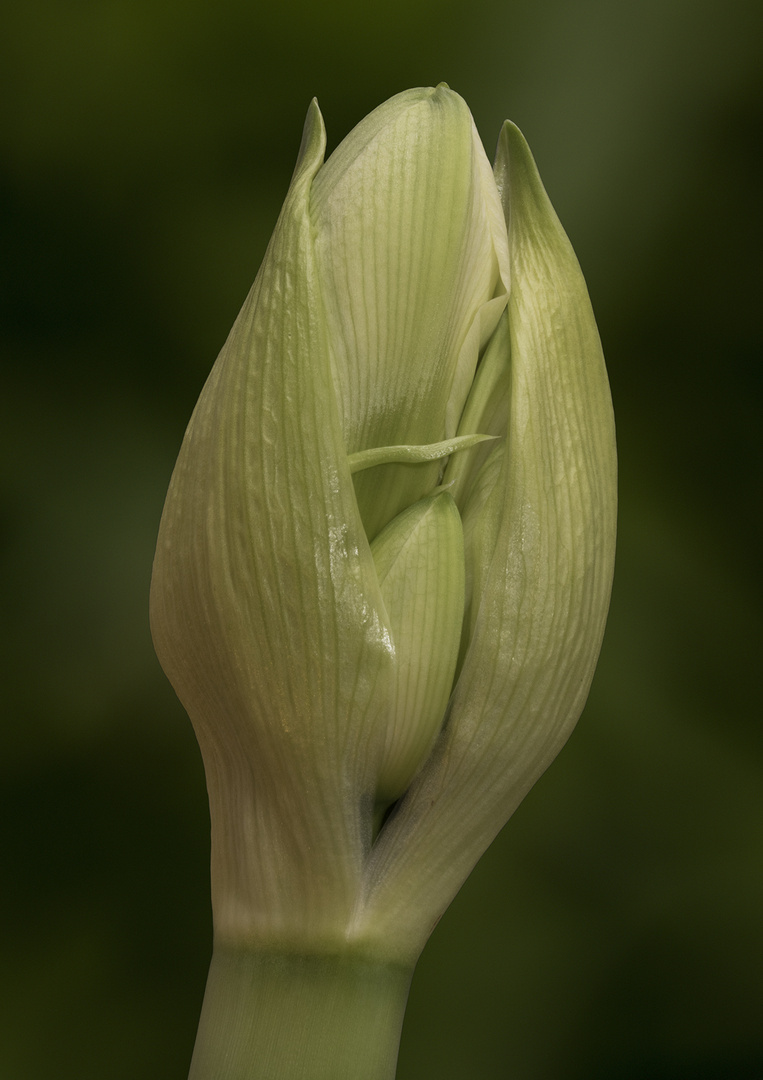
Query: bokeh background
[614,931]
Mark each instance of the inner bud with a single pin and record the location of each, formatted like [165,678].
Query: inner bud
[419,557]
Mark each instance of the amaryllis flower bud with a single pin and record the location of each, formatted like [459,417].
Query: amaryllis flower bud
[384,563]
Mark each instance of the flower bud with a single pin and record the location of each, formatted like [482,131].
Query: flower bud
[419,558]
[384,561]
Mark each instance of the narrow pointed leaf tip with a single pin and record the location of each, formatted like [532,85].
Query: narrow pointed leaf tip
[384,562]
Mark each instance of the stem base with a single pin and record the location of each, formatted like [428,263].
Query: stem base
[282,1016]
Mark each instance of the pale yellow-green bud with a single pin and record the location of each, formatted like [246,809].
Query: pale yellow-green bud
[384,563]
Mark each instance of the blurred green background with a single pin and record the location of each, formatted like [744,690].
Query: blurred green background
[614,931]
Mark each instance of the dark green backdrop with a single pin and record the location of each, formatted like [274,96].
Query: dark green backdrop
[614,930]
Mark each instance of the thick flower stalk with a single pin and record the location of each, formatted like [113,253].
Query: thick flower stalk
[383,572]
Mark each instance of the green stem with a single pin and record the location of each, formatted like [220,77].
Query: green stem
[280,1016]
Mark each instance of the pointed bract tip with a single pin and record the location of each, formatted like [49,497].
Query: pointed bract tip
[313,143]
